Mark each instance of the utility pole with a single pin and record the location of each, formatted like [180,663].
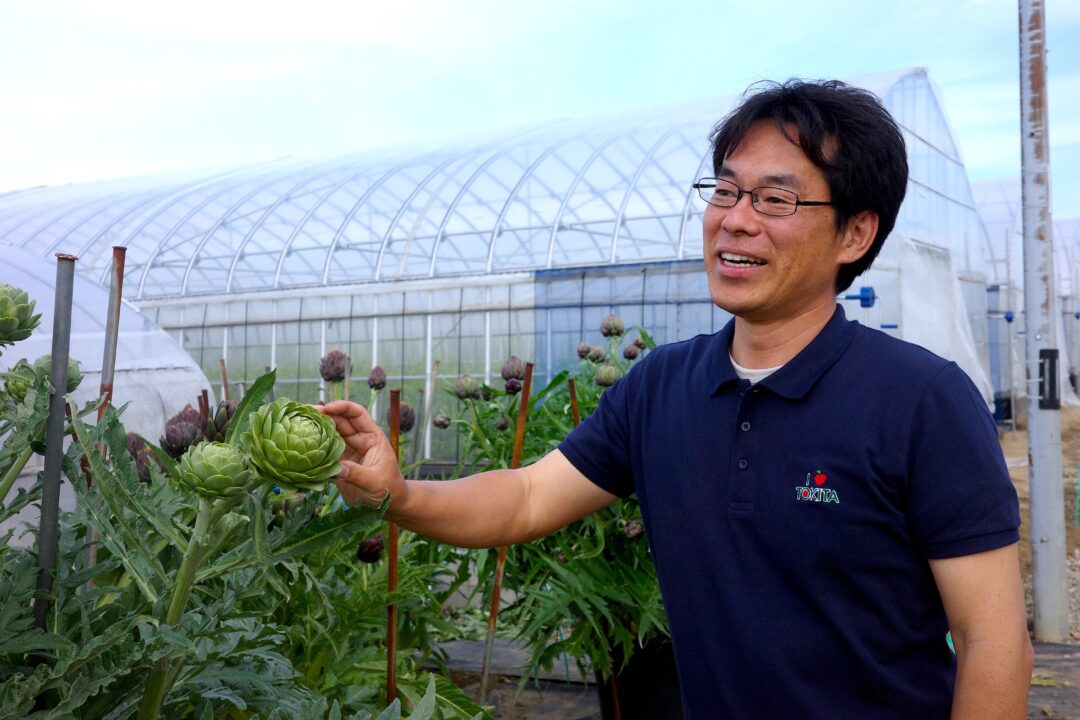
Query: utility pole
[1044,397]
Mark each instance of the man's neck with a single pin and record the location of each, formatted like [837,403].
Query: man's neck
[772,343]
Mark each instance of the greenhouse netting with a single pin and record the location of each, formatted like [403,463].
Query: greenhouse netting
[463,255]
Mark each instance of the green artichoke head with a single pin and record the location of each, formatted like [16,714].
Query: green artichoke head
[17,318]
[43,368]
[18,380]
[214,470]
[292,445]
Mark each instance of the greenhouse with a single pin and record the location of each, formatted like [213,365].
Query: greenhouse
[465,255]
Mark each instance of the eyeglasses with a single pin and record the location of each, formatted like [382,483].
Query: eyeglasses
[766,200]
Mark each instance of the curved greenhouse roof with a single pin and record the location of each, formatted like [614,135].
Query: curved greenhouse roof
[613,189]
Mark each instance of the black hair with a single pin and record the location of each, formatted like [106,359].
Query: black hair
[843,130]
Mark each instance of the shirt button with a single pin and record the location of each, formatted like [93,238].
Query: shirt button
[743,464]
[745,426]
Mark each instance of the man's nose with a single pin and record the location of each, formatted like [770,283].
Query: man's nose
[740,216]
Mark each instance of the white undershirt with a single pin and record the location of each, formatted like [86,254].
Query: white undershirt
[751,374]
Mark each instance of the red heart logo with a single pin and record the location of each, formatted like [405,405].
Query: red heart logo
[820,478]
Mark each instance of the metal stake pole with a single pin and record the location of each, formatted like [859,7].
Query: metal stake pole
[54,436]
[1044,412]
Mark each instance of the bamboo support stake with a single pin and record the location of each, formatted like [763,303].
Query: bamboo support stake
[500,565]
[348,376]
[392,559]
[574,412]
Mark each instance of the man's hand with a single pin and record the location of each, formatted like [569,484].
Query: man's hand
[369,469]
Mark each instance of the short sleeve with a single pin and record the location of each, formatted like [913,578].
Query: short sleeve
[961,498]
[600,447]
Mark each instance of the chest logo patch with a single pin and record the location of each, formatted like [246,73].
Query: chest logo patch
[815,491]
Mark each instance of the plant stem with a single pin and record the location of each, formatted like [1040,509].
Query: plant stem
[13,472]
[157,683]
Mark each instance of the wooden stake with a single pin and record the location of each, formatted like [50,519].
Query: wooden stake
[500,565]
[575,413]
[392,559]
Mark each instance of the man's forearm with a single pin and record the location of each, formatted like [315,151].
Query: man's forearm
[992,680]
[484,510]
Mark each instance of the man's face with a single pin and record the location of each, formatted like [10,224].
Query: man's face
[795,258]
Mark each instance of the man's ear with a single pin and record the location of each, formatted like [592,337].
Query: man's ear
[858,236]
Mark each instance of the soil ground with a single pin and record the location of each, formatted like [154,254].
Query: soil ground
[1055,685]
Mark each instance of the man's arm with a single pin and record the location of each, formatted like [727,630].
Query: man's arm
[501,507]
[984,602]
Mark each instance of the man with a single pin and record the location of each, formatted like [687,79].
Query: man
[823,502]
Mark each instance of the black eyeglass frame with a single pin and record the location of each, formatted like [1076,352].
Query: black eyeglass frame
[712,183]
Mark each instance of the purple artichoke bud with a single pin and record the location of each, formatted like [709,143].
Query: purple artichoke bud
[612,326]
[215,426]
[406,417]
[441,421]
[634,530]
[370,550]
[502,424]
[513,386]
[630,352]
[597,354]
[583,350]
[639,343]
[135,443]
[376,379]
[178,437]
[144,459]
[467,388]
[606,375]
[334,366]
[187,415]
[485,394]
[513,368]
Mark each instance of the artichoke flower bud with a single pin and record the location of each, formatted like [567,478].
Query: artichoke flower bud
[639,343]
[612,326]
[293,446]
[597,354]
[376,379]
[179,437]
[370,550]
[188,415]
[215,426]
[513,386]
[502,424]
[43,368]
[214,470]
[467,388]
[17,318]
[630,352]
[18,380]
[441,421]
[583,350]
[141,455]
[406,417]
[607,375]
[335,366]
[513,368]
[634,530]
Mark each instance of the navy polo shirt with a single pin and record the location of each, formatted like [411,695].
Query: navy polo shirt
[791,521]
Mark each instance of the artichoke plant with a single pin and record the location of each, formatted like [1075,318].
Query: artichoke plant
[376,379]
[216,424]
[406,417]
[467,388]
[441,421]
[631,351]
[334,366]
[370,550]
[633,530]
[612,326]
[18,380]
[294,446]
[583,350]
[17,318]
[188,415]
[179,437]
[142,456]
[607,375]
[513,386]
[43,368]
[214,470]
[597,354]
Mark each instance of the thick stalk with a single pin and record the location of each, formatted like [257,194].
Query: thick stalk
[13,472]
[157,685]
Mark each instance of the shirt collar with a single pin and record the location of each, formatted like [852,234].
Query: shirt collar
[800,373]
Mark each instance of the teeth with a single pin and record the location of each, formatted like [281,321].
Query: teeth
[734,259]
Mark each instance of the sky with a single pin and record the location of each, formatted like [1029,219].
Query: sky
[119,88]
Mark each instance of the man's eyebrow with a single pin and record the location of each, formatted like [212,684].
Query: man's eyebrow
[782,181]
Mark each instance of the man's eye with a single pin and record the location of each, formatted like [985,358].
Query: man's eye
[773,199]
[724,193]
